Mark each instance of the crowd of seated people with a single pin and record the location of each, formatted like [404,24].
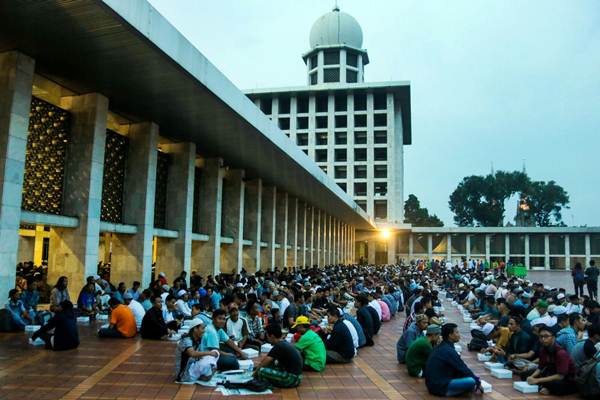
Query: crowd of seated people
[313,317]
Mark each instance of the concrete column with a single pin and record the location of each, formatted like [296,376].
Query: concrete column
[318,239]
[269,221]
[546,251]
[16,79]
[292,255]
[281,229]
[303,218]
[506,248]
[346,244]
[329,238]
[175,255]
[568,252]
[206,256]
[334,254]
[233,220]
[449,247]
[487,248]
[132,254]
[588,250]
[430,246]
[371,246]
[410,246]
[38,244]
[468,246]
[527,264]
[391,248]
[74,252]
[312,236]
[252,224]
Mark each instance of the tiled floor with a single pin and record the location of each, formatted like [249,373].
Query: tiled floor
[136,369]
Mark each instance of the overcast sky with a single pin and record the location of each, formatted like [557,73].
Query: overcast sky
[491,81]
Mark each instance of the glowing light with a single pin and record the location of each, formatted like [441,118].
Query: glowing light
[385,234]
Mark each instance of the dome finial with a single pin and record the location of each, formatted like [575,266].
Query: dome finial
[336,7]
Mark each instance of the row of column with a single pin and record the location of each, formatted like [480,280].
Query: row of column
[507,253]
[220,224]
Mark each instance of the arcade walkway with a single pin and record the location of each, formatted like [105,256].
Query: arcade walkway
[136,369]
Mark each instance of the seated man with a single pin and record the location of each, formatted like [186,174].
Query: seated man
[215,338]
[519,342]
[445,372]
[282,366]
[339,344]
[122,322]
[237,327]
[153,324]
[414,331]
[310,345]
[364,319]
[87,303]
[572,326]
[556,372]
[20,316]
[256,332]
[64,327]
[419,350]
[136,308]
[181,305]
[190,364]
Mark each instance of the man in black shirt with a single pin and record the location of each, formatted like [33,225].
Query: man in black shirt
[282,367]
[364,318]
[153,324]
[339,343]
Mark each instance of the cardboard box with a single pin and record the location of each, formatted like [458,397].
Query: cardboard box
[32,328]
[83,320]
[250,353]
[246,365]
[493,365]
[525,387]
[484,357]
[458,348]
[467,319]
[502,373]
[486,387]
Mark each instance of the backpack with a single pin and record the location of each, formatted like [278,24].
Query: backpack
[585,379]
[6,324]
[478,341]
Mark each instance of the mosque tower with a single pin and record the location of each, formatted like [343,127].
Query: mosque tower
[336,54]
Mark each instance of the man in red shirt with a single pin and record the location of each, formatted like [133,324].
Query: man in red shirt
[556,372]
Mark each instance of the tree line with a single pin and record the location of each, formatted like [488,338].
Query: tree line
[481,201]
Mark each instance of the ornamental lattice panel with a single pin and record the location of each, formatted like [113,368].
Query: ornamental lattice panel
[47,142]
[113,180]
[163,162]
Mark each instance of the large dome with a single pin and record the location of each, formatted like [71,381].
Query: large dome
[336,28]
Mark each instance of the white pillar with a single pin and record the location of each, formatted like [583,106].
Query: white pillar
[449,247]
[487,248]
[506,248]
[546,251]
[16,79]
[468,246]
[568,252]
[430,246]
[588,250]
[527,263]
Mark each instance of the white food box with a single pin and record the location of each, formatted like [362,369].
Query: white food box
[289,337]
[493,365]
[102,317]
[467,319]
[502,373]
[37,342]
[188,322]
[525,387]
[265,348]
[83,320]
[484,357]
[246,365]
[250,353]
[175,337]
[486,387]
[454,303]
[458,348]
[475,326]
[32,328]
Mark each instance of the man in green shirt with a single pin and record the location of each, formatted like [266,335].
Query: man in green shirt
[419,350]
[311,345]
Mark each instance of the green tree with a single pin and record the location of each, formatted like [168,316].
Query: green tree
[479,200]
[418,216]
[546,201]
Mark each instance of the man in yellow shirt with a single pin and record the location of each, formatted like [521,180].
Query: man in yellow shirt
[122,321]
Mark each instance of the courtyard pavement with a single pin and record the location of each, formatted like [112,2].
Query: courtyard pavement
[140,369]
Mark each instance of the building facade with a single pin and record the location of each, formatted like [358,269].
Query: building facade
[354,131]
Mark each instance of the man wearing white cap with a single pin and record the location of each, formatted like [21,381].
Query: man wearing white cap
[190,364]
[182,303]
[136,308]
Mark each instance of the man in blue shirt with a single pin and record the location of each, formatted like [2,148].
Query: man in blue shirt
[445,373]
[214,336]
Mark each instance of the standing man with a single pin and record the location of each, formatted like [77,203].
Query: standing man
[591,277]
[445,373]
